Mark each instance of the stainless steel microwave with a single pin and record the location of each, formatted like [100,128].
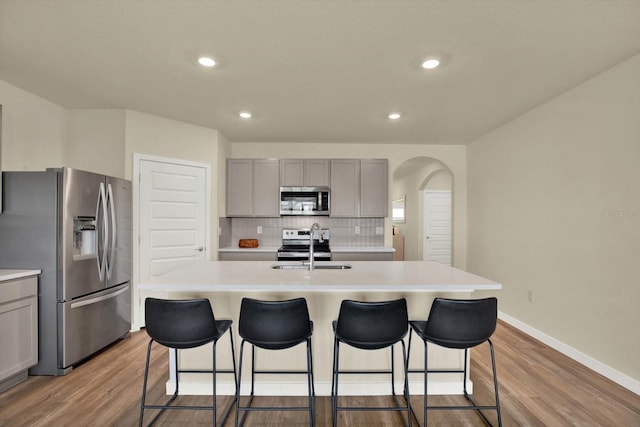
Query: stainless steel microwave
[305,201]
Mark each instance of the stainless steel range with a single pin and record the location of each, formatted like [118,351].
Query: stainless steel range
[295,245]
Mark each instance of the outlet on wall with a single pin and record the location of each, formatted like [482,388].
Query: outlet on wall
[259,231]
[530,295]
[357,231]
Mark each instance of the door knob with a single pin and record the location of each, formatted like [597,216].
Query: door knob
[200,249]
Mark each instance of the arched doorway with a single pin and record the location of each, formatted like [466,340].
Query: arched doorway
[411,181]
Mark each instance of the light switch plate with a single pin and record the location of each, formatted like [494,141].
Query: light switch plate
[379,230]
[357,231]
[259,231]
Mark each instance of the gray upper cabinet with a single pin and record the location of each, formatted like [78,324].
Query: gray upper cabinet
[374,198]
[316,173]
[308,172]
[266,187]
[239,187]
[345,188]
[253,187]
[359,188]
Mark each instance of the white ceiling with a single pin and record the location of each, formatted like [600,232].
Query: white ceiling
[315,71]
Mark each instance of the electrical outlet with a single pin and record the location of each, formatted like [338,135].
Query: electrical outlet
[357,229]
[530,295]
[259,231]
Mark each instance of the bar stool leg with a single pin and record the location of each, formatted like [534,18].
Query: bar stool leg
[311,390]
[495,382]
[334,383]
[405,365]
[144,383]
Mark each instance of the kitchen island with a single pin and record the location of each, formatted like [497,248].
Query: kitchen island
[225,283]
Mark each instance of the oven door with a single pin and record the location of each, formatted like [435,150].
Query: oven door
[303,256]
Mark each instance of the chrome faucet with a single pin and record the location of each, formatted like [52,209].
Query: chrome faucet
[316,226]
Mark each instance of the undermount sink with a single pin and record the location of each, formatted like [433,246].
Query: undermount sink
[290,267]
[332,267]
[315,267]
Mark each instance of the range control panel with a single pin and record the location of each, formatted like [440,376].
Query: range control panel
[303,235]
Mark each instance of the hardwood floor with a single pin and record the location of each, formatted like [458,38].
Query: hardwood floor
[538,387]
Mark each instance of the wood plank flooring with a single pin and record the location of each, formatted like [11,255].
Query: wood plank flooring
[538,387]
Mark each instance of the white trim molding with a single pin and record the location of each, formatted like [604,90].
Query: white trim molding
[618,377]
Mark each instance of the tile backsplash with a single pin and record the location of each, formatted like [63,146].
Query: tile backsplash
[343,230]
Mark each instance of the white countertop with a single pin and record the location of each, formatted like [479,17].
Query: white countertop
[367,276]
[274,249]
[6,274]
[376,249]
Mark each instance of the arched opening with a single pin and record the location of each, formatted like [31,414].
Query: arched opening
[412,181]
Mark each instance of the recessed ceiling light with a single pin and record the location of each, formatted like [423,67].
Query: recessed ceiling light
[245,114]
[430,64]
[394,116]
[205,61]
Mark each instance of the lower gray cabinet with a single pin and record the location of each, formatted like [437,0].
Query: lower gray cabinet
[18,329]
[362,256]
[247,256]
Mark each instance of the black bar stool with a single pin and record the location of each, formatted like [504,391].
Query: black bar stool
[458,324]
[182,324]
[370,326]
[275,325]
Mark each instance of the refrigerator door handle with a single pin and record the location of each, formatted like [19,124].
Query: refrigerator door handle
[104,229]
[112,243]
[98,299]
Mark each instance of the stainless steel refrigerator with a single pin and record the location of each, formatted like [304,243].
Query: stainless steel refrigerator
[75,226]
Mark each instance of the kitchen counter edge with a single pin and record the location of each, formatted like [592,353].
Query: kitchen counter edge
[336,249]
[10,274]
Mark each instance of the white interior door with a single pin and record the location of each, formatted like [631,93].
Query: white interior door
[172,218]
[437,226]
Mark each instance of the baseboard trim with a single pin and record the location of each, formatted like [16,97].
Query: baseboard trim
[618,377]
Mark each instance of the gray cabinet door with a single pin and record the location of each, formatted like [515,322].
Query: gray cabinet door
[19,331]
[266,187]
[307,173]
[374,183]
[239,197]
[291,172]
[316,173]
[345,188]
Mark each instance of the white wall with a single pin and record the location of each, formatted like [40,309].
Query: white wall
[157,136]
[554,207]
[96,141]
[37,134]
[453,156]
[34,130]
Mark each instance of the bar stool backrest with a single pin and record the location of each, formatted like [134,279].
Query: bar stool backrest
[461,323]
[372,325]
[180,323]
[274,325]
